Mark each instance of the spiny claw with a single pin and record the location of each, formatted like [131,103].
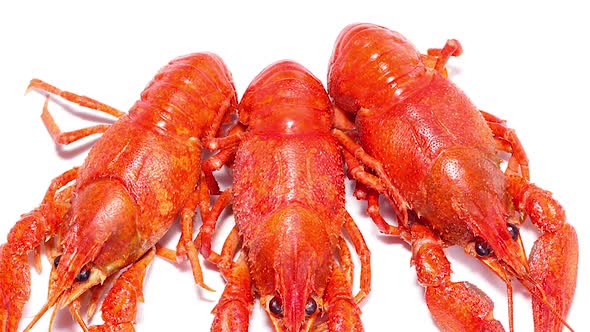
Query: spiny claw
[554,267]
[119,308]
[461,306]
[343,311]
[231,317]
[15,281]
[26,235]
[344,315]
[232,313]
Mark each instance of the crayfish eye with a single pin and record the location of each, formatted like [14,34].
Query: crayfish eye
[310,307]
[83,275]
[276,306]
[56,261]
[482,248]
[513,230]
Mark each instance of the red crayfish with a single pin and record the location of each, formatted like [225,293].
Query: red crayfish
[288,201]
[435,154]
[143,173]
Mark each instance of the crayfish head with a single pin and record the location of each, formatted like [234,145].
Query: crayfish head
[99,239]
[469,206]
[300,265]
[505,256]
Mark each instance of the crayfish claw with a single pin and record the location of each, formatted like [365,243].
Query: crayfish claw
[461,306]
[554,266]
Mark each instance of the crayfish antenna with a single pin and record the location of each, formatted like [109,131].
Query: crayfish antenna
[38,316]
[75,311]
[53,299]
[53,315]
[509,294]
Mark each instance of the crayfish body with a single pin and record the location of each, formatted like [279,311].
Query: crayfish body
[288,201]
[435,153]
[137,179]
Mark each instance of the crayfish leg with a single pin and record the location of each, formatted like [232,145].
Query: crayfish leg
[374,211]
[222,116]
[15,281]
[215,163]
[342,120]
[74,307]
[204,238]
[65,138]
[437,58]
[508,141]
[454,306]
[119,308]
[554,258]
[225,156]
[167,254]
[380,183]
[97,292]
[232,313]
[186,247]
[361,248]
[231,245]
[342,308]
[28,234]
[74,98]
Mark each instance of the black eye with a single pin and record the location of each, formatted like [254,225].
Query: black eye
[56,261]
[310,307]
[513,230]
[83,275]
[276,306]
[482,248]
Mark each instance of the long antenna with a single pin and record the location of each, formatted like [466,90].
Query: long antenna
[509,292]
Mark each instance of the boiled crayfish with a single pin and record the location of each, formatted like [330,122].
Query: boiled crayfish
[288,201]
[434,153]
[138,178]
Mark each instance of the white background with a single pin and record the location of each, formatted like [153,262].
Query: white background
[525,63]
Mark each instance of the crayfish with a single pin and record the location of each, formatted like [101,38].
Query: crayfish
[143,173]
[419,141]
[287,196]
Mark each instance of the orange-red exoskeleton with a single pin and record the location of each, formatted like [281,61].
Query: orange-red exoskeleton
[436,154]
[288,201]
[138,178]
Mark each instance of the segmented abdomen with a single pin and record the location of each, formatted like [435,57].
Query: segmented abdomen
[371,66]
[155,150]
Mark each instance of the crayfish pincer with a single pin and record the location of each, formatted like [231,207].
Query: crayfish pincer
[422,143]
[288,201]
[138,178]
